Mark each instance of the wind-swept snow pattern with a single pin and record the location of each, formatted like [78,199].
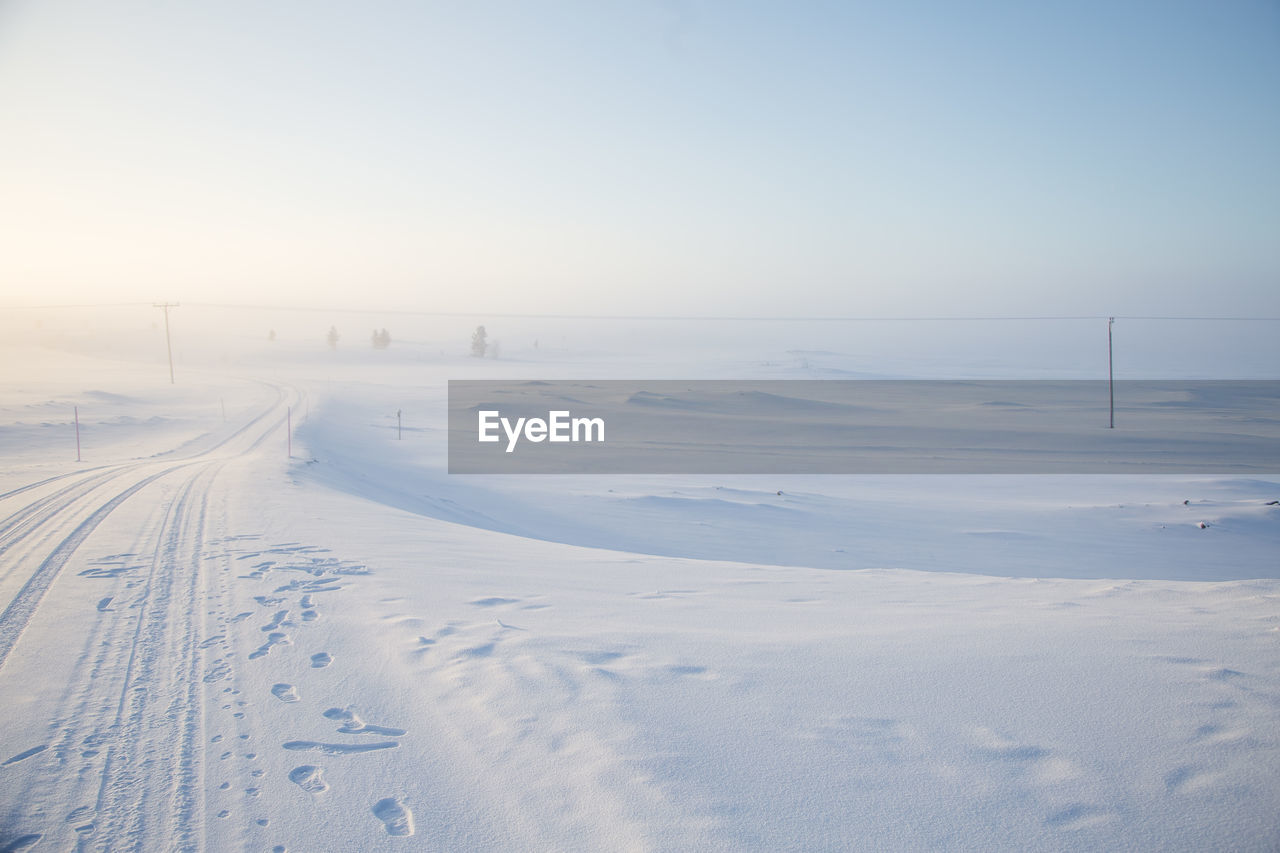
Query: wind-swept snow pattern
[212,646]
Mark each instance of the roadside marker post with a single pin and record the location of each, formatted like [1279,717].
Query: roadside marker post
[1111,374]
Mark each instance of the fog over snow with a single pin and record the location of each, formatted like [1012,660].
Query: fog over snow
[210,644]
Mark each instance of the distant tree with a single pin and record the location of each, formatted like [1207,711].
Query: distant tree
[478,342]
[381,339]
[271,335]
[332,337]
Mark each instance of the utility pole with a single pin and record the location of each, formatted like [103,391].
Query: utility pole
[168,344]
[398,434]
[1111,374]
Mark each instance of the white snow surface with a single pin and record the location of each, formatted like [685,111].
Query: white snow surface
[208,645]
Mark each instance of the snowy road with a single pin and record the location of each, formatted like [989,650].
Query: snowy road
[117,680]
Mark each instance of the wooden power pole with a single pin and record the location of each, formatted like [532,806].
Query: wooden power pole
[168,344]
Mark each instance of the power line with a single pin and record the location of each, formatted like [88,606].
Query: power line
[541,316]
[721,318]
[81,305]
[674,317]
[1207,319]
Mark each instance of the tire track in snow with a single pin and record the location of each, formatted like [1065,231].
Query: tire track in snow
[47,480]
[20,609]
[16,616]
[19,524]
[84,711]
[148,652]
[161,684]
[36,517]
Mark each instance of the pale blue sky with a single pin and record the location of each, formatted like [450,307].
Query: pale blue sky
[674,157]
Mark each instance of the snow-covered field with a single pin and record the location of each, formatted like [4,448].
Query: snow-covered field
[209,645]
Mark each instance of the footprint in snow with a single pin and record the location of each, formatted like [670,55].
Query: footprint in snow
[686,670]
[22,756]
[80,816]
[91,744]
[309,778]
[997,747]
[218,670]
[395,816]
[599,658]
[353,725]
[337,748]
[276,620]
[1077,816]
[285,692]
[321,659]
[275,638]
